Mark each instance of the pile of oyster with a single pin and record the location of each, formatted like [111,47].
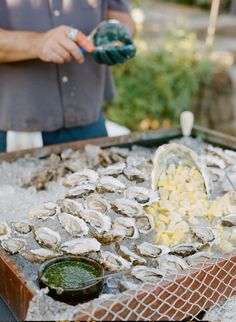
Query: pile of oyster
[109,212]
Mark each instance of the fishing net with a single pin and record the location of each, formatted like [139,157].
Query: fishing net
[204,292]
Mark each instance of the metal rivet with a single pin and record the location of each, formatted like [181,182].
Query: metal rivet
[56,13]
[65,79]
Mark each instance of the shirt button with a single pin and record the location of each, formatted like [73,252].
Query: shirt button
[65,79]
[56,13]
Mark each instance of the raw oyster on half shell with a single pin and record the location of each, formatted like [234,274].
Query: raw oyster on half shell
[81,191]
[151,250]
[110,184]
[147,274]
[71,206]
[5,230]
[134,174]
[95,202]
[200,258]
[112,170]
[127,207]
[81,246]
[112,262]
[47,210]
[13,245]
[145,224]
[178,154]
[22,228]
[81,177]
[171,263]
[127,226]
[97,220]
[130,256]
[112,236]
[39,255]
[75,226]
[184,250]
[229,220]
[46,237]
[203,235]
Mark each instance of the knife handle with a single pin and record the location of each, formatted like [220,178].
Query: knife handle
[86,46]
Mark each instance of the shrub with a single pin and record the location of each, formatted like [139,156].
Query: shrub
[204,3]
[160,85]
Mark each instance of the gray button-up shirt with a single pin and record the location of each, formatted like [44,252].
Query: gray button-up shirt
[38,96]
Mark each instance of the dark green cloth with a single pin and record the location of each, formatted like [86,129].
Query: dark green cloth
[108,32]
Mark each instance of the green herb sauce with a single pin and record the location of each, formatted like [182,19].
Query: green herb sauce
[70,274]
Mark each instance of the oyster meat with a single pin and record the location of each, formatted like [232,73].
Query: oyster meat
[172,264]
[112,170]
[97,220]
[112,236]
[142,195]
[200,258]
[39,255]
[134,174]
[184,250]
[145,224]
[46,237]
[147,274]
[112,262]
[229,220]
[22,228]
[75,226]
[95,202]
[128,284]
[178,154]
[127,207]
[80,191]
[44,212]
[110,184]
[127,226]
[13,245]
[71,206]
[130,256]
[203,235]
[81,177]
[81,246]
[5,230]
[151,250]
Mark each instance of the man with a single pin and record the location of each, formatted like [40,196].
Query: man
[47,84]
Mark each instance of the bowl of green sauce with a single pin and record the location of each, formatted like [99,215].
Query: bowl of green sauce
[71,279]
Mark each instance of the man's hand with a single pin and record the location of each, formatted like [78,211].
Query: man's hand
[54,46]
[108,32]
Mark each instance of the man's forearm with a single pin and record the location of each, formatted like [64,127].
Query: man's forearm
[123,18]
[17,45]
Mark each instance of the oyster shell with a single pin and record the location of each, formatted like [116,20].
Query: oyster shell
[128,284]
[46,237]
[80,191]
[112,170]
[13,245]
[184,250]
[203,235]
[145,224]
[70,206]
[126,226]
[110,184]
[95,202]
[44,212]
[22,228]
[5,230]
[172,264]
[81,246]
[112,262]
[75,226]
[39,255]
[151,250]
[229,220]
[130,256]
[147,274]
[81,177]
[178,154]
[134,174]
[142,195]
[200,258]
[109,237]
[127,207]
[97,220]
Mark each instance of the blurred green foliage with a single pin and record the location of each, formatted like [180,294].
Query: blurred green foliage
[204,3]
[160,84]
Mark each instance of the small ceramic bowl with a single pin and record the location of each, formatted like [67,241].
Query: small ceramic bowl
[72,296]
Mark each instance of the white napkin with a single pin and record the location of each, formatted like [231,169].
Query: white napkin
[23,140]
